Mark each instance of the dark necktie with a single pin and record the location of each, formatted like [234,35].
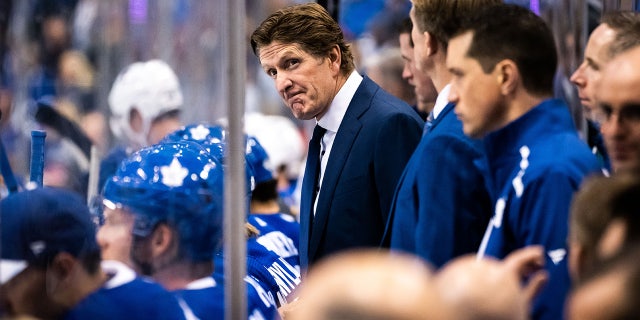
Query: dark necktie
[314,155]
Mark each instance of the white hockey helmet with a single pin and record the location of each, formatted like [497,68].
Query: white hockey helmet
[280,137]
[152,88]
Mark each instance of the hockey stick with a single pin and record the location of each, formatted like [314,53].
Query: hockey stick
[37,157]
[49,116]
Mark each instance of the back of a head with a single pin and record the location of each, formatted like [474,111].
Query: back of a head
[513,32]
[152,88]
[481,290]
[610,291]
[308,25]
[175,183]
[625,207]
[591,211]
[368,284]
[442,18]
[38,224]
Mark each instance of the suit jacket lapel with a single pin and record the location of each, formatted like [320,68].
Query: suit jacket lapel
[448,108]
[347,133]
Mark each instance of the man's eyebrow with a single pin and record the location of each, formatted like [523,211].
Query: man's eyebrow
[630,105]
[283,56]
[592,63]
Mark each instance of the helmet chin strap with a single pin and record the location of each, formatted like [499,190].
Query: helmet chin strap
[122,130]
[138,140]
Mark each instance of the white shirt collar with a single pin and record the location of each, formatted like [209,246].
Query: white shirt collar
[122,274]
[202,283]
[441,101]
[338,107]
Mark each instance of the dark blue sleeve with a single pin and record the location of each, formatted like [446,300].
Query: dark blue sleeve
[545,207]
[453,206]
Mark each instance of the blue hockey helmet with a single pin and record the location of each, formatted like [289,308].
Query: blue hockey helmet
[213,139]
[178,183]
[210,137]
[258,159]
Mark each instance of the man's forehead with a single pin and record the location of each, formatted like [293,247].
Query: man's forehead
[603,35]
[276,49]
[461,44]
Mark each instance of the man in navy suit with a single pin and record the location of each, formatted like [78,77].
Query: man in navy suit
[363,137]
[441,207]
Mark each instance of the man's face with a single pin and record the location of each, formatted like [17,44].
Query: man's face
[114,236]
[587,76]
[406,50]
[306,83]
[475,93]
[618,110]
[425,91]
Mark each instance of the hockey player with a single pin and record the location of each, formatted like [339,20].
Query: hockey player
[173,193]
[145,103]
[279,232]
[503,64]
[51,266]
[271,249]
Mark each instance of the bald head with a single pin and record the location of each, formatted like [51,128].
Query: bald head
[481,289]
[490,289]
[369,285]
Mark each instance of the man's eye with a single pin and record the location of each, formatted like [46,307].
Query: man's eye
[606,111]
[631,113]
[602,114]
[292,62]
[272,72]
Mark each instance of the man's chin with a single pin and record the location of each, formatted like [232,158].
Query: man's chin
[301,115]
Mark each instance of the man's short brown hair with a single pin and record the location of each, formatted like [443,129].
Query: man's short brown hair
[308,25]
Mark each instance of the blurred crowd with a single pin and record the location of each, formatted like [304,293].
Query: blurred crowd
[424,159]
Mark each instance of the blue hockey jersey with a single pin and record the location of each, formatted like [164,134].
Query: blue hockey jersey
[127,296]
[537,162]
[279,233]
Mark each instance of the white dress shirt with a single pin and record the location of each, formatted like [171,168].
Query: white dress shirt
[441,101]
[331,121]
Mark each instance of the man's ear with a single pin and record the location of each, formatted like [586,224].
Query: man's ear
[507,76]
[431,44]
[162,241]
[63,265]
[60,273]
[135,120]
[612,238]
[335,59]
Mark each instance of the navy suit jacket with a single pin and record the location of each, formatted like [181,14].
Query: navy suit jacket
[441,207]
[374,142]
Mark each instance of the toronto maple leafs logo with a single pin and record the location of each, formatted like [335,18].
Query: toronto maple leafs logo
[37,247]
[173,175]
[557,255]
[199,133]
